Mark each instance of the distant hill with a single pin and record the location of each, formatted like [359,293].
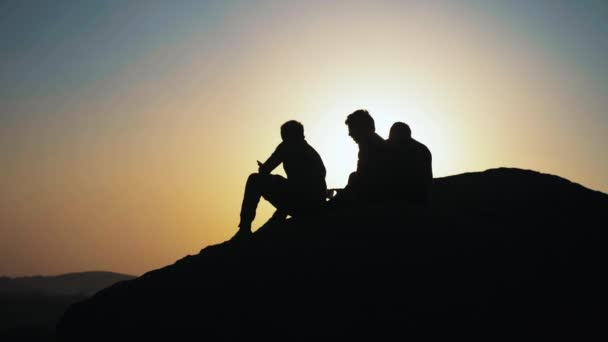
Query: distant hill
[30,307]
[83,283]
[503,254]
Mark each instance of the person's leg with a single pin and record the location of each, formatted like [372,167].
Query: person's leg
[291,200]
[276,190]
[273,188]
[251,198]
[278,215]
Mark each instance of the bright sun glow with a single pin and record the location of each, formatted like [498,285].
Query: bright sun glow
[147,128]
[329,134]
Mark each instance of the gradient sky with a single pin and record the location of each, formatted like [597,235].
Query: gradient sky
[128,129]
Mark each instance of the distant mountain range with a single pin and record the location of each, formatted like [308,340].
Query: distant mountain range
[31,306]
[504,254]
[83,283]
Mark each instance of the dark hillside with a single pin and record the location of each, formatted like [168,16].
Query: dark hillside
[501,254]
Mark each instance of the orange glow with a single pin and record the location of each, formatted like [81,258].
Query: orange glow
[152,167]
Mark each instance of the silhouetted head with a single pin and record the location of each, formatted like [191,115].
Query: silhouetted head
[400,132]
[292,131]
[360,125]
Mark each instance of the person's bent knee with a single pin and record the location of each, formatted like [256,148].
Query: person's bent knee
[253,177]
[257,180]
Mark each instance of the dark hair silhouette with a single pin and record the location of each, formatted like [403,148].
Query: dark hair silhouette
[292,130]
[400,132]
[361,126]
[361,120]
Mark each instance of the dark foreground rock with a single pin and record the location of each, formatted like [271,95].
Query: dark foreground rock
[501,254]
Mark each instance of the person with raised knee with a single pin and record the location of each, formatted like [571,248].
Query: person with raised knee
[301,193]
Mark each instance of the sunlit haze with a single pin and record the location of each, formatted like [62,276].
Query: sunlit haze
[128,129]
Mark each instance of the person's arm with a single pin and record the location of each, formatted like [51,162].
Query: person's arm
[275,159]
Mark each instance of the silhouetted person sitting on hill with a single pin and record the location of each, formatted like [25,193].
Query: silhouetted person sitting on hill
[411,165]
[368,182]
[304,190]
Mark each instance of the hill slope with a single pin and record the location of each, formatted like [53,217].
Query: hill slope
[81,283]
[503,253]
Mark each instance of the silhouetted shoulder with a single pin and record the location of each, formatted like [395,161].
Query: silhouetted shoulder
[280,149]
[422,148]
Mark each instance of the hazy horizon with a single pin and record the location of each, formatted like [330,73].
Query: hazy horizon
[67,273]
[127,130]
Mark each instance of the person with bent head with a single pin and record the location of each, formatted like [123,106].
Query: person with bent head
[301,193]
[368,183]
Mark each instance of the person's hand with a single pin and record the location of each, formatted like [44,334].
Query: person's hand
[260,165]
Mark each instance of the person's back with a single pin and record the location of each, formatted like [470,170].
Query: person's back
[412,173]
[304,168]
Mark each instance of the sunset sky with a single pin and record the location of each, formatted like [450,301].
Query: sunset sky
[128,128]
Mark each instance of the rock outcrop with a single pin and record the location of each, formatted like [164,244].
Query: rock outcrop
[500,254]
